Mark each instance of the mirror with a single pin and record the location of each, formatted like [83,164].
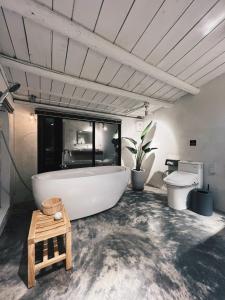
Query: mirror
[84,137]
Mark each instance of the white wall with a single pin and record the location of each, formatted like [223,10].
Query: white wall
[5,167]
[25,151]
[6,125]
[200,117]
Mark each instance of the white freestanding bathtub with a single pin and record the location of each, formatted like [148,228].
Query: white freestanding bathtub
[84,191]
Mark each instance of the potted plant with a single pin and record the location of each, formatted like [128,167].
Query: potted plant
[140,151]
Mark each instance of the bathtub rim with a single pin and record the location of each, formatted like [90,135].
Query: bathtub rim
[40,177]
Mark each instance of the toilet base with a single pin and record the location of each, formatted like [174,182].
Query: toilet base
[178,196]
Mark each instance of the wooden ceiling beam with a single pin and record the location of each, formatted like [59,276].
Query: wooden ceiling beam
[65,78]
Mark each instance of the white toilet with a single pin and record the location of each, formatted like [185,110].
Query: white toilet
[181,182]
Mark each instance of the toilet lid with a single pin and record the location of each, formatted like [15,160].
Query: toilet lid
[179,178]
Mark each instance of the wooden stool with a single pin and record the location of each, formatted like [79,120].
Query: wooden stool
[42,228]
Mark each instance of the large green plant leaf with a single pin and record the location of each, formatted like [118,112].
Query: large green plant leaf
[132,150]
[149,149]
[131,140]
[146,145]
[145,131]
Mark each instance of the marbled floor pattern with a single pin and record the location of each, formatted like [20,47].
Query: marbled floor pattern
[138,250]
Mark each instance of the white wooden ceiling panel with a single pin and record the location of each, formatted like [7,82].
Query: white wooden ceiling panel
[108,71]
[190,17]
[17,33]
[68,90]
[64,7]
[204,60]
[55,99]
[108,25]
[57,87]
[6,46]
[79,59]
[47,3]
[91,105]
[86,12]
[89,94]
[34,84]
[144,84]
[171,93]
[46,85]
[207,49]
[122,102]
[178,95]
[20,76]
[73,103]
[154,88]
[45,82]
[79,92]
[215,16]
[165,89]
[211,75]
[166,17]
[99,97]
[82,104]
[208,68]
[59,50]
[92,65]
[109,99]
[133,81]
[128,103]
[206,44]
[64,101]
[122,76]
[112,16]
[75,58]
[8,74]
[137,21]
[39,43]
[101,107]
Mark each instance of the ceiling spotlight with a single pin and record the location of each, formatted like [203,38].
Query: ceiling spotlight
[13,88]
[33,98]
[146,106]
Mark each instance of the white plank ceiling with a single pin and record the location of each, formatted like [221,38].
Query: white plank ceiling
[185,38]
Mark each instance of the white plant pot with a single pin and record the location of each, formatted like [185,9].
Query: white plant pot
[138,180]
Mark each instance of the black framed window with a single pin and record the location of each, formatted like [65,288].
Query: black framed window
[71,141]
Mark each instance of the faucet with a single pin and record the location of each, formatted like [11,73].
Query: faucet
[64,159]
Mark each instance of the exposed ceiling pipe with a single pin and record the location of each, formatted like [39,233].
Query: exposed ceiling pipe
[58,23]
[27,100]
[54,75]
[31,90]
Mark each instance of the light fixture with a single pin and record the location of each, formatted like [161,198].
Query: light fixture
[33,116]
[105,128]
[212,23]
[4,103]
[146,105]
[13,88]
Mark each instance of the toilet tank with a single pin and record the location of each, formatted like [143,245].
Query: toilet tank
[192,167]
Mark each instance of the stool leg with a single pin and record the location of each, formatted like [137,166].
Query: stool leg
[68,250]
[31,264]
